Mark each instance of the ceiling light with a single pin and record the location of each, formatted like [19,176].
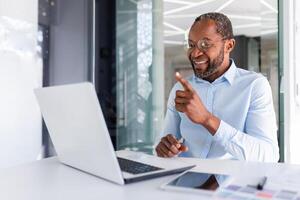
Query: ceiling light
[224,5]
[178,2]
[247,26]
[267,32]
[173,42]
[173,27]
[268,6]
[244,17]
[187,7]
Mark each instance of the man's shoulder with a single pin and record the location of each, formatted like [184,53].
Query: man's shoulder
[249,76]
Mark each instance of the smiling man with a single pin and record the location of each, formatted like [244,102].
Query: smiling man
[221,111]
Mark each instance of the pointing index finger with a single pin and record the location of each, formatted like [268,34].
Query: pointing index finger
[183,82]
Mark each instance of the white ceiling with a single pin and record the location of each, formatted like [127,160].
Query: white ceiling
[250,18]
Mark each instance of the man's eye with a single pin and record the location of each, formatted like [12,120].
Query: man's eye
[191,45]
[204,44]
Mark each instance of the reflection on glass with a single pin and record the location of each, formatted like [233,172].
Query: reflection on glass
[139,97]
[20,72]
[198,180]
[17,36]
[144,48]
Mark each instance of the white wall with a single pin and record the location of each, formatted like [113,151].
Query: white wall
[20,72]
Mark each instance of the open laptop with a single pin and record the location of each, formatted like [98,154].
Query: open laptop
[81,139]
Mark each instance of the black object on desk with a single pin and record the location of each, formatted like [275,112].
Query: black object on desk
[261,184]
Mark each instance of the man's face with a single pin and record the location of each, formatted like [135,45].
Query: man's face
[206,52]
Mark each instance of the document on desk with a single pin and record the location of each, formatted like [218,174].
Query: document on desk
[230,187]
[277,183]
[264,187]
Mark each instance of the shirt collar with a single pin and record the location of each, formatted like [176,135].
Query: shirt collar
[229,75]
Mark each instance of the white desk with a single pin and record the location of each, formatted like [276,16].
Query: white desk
[48,179]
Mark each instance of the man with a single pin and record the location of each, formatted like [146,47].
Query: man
[221,111]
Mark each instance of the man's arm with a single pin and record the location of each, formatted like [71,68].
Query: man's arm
[169,144]
[258,142]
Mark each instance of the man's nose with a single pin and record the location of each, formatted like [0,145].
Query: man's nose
[196,52]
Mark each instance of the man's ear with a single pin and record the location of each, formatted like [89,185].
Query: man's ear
[229,45]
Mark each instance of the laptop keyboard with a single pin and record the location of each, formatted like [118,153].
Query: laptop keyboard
[134,167]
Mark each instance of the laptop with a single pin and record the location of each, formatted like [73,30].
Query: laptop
[76,125]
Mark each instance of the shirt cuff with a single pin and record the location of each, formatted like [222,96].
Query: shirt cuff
[224,133]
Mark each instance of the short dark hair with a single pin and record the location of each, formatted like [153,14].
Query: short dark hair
[223,24]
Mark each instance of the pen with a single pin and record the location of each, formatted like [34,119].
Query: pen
[261,184]
[181,140]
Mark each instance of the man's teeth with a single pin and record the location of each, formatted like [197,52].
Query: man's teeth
[199,62]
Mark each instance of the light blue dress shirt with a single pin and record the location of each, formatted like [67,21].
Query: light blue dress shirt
[242,100]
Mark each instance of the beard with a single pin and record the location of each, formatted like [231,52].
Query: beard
[213,65]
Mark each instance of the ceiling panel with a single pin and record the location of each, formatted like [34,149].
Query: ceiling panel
[251,18]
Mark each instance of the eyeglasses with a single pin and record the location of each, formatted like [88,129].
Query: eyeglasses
[203,45]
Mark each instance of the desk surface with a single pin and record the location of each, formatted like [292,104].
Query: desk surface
[48,179]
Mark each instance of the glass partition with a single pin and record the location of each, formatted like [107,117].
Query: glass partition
[139,57]
[255,26]
[140,65]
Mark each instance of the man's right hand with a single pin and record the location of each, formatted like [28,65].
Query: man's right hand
[169,146]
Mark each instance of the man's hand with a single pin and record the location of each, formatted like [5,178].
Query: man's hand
[188,102]
[169,146]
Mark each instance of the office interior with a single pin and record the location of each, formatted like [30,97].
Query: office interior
[130,50]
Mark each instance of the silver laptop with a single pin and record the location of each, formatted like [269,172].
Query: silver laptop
[81,139]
